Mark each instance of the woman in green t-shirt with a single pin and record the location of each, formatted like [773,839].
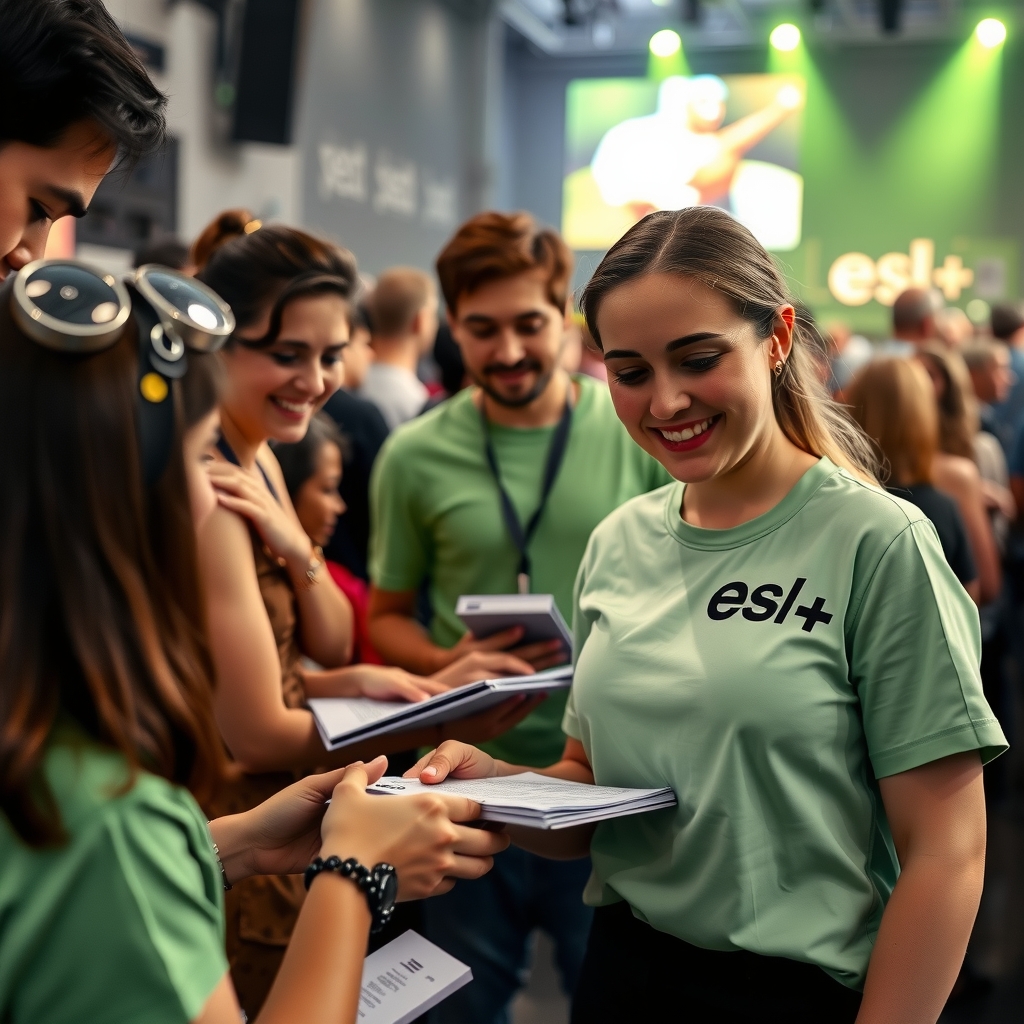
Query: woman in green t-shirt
[111,893]
[782,643]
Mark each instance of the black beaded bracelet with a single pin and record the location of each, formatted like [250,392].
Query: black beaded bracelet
[350,868]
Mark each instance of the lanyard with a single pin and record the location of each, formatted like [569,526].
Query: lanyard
[520,537]
[229,453]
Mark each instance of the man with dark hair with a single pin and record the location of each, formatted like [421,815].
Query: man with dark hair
[76,98]
[459,502]
[913,315]
[1007,417]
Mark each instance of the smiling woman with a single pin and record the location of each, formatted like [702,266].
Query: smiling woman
[75,98]
[782,643]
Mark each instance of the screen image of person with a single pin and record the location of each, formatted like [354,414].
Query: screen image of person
[437,496]
[781,642]
[693,149]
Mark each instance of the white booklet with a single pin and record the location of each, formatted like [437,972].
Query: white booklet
[539,801]
[406,978]
[345,720]
[485,614]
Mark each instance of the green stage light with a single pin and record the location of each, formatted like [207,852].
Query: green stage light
[990,33]
[785,37]
[665,43]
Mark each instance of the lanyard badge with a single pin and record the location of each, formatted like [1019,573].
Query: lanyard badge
[71,307]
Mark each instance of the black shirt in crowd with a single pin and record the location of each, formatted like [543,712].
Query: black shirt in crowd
[364,426]
[945,516]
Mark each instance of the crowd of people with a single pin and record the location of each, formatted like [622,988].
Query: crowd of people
[789,557]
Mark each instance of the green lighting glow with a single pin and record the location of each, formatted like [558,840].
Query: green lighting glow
[665,43]
[785,37]
[990,33]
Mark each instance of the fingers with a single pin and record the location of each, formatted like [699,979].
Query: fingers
[458,808]
[375,769]
[499,641]
[414,771]
[470,867]
[478,842]
[323,784]
[431,687]
[542,649]
[356,777]
[459,760]
[515,713]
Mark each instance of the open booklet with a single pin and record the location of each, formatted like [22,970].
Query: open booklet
[407,977]
[539,801]
[345,720]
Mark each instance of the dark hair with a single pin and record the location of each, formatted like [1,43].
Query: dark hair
[492,246]
[65,61]
[167,252]
[298,460]
[1006,321]
[275,266]
[448,357]
[100,611]
[705,243]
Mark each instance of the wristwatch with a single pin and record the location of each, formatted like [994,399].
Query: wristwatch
[379,884]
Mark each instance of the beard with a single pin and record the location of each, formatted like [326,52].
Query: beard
[517,402]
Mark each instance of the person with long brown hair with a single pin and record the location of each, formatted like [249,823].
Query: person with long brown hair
[110,880]
[955,470]
[893,401]
[270,599]
[781,642]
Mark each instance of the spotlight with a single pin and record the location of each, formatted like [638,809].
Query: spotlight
[991,33]
[785,37]
[665,43]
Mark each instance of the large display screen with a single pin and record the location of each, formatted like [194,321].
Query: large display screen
[635,145]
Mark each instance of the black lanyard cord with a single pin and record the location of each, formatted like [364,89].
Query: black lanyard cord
[520,537]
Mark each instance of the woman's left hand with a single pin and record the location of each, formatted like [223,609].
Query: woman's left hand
[384,682]
[281,835]
[240,492]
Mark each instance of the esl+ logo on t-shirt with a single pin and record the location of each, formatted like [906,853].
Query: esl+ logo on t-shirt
[765,602]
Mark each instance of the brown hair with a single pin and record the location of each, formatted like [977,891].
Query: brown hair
[959,420]
[225,226]
[705,243]
[100,613]
[894,402]
[273,267]
[492,246]
[400,293]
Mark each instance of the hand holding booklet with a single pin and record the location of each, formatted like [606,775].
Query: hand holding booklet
[345,720]
[538,615]
[538,801]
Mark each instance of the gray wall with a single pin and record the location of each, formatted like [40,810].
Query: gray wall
[391,125]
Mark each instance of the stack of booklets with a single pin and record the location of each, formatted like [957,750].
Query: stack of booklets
[538,801]
[345,720]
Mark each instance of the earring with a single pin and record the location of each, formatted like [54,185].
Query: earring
[778,368]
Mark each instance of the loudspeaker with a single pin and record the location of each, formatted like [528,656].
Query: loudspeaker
[265,79]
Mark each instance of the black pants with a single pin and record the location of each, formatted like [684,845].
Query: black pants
[634,974]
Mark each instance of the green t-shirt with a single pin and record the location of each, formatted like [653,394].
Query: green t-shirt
[769,674]
[436,515]
[125,922]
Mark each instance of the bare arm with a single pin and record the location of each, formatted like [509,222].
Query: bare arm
[937,816]
[959,478]
[320,976]
[461,761]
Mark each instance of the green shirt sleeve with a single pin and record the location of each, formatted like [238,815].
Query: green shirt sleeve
[915,649]
[125,923]
[399,542]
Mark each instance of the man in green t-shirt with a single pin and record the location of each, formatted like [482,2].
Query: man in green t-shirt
[437,517]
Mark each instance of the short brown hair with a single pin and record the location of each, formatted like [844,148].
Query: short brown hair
[894,402]
[492,246]
[400,294]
